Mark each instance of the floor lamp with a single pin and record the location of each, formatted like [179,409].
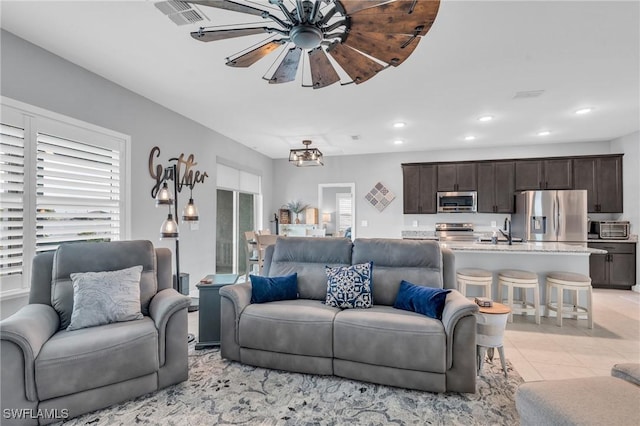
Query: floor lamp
[169,228]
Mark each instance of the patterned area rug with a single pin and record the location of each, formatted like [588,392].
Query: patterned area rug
[220,392]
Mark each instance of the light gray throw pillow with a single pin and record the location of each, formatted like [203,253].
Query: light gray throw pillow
[105,297]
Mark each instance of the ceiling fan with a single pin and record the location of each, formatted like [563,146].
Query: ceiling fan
[361,37]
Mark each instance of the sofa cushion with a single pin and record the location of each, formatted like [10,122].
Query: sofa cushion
[390,337]
[423,300]
[300,327]
[96,257]
[104,297]
[308,257]
[349,286]
[419,262]
[270,289]
[74,361]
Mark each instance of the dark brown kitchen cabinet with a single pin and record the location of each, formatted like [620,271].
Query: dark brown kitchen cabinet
[544,174]
[616,269]
[496,182]
[602,178]
[419,188]
[457,177]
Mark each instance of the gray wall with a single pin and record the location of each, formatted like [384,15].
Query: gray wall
[37,77]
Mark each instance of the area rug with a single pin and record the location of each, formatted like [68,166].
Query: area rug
[220,392]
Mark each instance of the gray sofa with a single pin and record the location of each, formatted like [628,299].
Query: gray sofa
[379,345]
[50,372]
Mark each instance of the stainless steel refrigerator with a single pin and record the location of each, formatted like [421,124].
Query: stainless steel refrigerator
[551,216]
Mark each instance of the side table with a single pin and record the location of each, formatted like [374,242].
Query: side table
[209,314]
[491,324]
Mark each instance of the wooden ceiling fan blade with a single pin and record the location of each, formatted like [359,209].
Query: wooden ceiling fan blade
[353,6]
[413,17]
[215,35]
[390,48]
[359,67]
[255,55]
[228,5]
[322,72]
[288,68]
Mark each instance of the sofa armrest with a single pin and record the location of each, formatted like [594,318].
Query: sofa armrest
[629,371]
[163,305]
[233,299]
[456,307]
[29,329]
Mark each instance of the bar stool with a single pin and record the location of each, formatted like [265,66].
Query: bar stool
[477,277]
[573,282]
[524,280]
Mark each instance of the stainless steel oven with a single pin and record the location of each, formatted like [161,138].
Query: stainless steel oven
[457,202]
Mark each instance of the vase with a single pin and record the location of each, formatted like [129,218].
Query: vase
[297,219]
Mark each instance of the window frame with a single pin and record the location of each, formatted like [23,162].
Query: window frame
[34,119]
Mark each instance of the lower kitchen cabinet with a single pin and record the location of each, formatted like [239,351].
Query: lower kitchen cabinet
[616,269]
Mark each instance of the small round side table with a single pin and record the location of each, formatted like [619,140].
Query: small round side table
[491,324]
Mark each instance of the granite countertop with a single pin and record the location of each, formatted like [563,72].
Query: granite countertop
[529,247]
[632,239]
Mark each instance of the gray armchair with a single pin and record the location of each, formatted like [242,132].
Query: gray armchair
[48,371]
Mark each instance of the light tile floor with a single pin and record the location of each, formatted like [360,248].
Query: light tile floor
[548,352]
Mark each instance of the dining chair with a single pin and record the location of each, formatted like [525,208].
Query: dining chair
[251,252]
[263,242]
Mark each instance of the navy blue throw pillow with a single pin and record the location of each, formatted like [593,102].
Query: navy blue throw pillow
[270,289]
[423,300]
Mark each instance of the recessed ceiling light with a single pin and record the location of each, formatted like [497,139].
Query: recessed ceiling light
[398,142]
[485,118]
[583,111]
[399,125]
[544,133]
[469,138]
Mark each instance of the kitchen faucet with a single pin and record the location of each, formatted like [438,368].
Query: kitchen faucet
[507,227]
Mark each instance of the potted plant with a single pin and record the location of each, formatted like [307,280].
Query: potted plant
[297,207]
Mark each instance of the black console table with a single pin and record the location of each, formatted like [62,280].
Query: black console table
[209,314]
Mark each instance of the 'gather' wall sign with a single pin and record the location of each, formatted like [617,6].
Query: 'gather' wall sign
[186,174]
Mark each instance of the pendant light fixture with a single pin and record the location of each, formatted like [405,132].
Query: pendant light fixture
[190,212]
[306,157]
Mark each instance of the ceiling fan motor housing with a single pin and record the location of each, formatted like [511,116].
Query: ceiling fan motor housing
[306,36]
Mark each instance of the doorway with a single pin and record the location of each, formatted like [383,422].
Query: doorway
[338,208]
[235,215]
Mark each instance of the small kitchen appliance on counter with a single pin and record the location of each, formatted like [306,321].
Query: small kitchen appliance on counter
[455,232]
[611,229]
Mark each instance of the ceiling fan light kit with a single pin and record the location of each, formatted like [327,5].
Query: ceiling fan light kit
[358,38]
[306,157]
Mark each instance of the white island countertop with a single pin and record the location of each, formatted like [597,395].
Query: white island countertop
[521,248]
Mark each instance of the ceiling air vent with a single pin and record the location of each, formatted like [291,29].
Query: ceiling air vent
[528,94]
[181,13]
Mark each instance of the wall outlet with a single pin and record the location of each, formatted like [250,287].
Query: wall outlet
[194,226]
[493,224]
[415,223]
[364,223]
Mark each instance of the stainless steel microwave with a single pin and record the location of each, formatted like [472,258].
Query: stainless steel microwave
[457,202]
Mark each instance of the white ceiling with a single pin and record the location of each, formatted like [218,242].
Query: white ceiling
[477,55]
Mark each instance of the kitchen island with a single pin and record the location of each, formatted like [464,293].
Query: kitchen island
[538,257]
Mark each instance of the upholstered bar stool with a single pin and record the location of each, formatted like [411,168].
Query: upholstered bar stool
[575,283]
[477,277]
[524,280]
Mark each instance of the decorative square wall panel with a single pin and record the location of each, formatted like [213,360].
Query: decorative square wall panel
[380,196]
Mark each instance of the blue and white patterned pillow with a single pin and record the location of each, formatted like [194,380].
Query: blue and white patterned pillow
[350,286]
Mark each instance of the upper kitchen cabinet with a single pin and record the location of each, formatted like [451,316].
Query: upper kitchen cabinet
[419,188]
[544,174]
[457,177]
[496,182]
[602,178]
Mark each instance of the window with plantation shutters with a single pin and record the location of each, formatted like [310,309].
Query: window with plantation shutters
[11,200]
[61,181]
[77,192]
[343,203]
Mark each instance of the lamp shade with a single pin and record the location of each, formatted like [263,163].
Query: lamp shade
[164,196]
[190,212]
[169,228]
